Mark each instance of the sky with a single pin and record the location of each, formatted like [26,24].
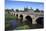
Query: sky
[10,4]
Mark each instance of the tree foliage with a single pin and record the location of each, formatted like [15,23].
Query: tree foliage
[12,9]
[9,10]
[37,10]
[25,9]
[17,10]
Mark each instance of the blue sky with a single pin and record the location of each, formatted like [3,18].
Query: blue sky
[21,4]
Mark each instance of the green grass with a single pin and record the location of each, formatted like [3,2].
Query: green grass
[8,18]
[22,27]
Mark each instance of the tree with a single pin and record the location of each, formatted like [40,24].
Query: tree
[12,9]
[25,9]
[6,10]
[9,10]
[31,8]
[17,10]
[37,10]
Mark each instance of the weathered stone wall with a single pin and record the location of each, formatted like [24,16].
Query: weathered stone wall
[33,16]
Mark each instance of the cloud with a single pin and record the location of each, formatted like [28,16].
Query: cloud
[29,0]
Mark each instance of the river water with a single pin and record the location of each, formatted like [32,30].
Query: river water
[15,25]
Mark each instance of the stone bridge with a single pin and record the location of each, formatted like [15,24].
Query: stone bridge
[34,15]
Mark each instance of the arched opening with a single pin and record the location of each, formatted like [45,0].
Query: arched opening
[40,20]
[14,14]
[21,18]
[29,19]
[17,16]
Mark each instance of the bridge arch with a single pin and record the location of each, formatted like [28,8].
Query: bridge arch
[34,18]
[21,16]
[17,15]
[29,19]
[39,20]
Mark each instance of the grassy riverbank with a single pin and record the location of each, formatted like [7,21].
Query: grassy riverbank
[8,17]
